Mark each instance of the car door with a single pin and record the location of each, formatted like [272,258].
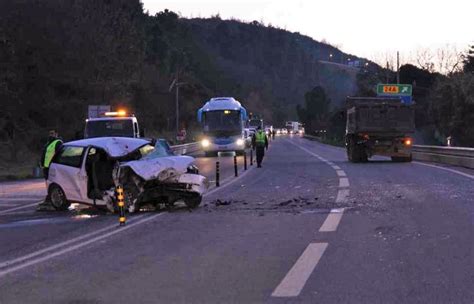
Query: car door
[67,171]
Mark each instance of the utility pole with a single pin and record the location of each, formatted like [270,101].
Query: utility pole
[387,72]
[176,84]
[177,104]
[398,67]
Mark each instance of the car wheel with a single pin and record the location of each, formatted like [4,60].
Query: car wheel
[58,198]
[193,202]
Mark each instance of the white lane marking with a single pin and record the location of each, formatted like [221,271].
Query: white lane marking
[19,199]
[77,246]
[18,208]
[336,167]
[334,217]
[342,196]
[296,278]
[446,169]
[62,244]
[343,182]
[332,220]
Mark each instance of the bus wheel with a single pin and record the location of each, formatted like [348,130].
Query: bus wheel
[210,154]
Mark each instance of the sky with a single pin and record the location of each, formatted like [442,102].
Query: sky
[366,28]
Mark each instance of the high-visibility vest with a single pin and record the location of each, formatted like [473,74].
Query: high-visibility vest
[50,151]
[260,138]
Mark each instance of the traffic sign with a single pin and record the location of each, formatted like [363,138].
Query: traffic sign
[394,89]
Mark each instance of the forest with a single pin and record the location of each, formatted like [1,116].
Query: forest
[59,56]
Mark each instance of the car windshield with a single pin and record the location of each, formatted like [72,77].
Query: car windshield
[225,122]
[111,127]
[160,149]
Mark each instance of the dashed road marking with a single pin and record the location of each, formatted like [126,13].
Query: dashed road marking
[332,220]
[343,182]
[341,173]
[296,278]
[342,196]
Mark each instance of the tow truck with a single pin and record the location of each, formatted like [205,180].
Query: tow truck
[113,124]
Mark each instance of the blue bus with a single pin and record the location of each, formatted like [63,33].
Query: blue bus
[223,124]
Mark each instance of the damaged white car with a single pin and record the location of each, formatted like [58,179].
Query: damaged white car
[88,172]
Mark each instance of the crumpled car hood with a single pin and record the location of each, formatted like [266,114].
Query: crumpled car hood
[161,168]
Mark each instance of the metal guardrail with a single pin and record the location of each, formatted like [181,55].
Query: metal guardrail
[186,148]
[456,156]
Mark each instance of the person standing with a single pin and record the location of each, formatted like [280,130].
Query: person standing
[259,144]
[50,149]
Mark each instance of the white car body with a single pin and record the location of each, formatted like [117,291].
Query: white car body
[121,161]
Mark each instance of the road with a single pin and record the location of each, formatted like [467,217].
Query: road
[308,227]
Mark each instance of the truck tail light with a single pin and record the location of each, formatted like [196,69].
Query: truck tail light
[408,141]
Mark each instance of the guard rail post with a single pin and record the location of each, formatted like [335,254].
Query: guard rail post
[121,205]
[245,160]
[235,166]
[217,174]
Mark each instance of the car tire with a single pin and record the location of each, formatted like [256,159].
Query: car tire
[58,198]
[193,202]
[240,152]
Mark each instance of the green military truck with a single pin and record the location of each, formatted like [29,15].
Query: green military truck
[379,126]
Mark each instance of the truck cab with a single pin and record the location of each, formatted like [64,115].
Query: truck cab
[113,124]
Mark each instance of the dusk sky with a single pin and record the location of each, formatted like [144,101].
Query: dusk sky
[363,27]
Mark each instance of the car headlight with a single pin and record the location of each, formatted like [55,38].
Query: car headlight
[205,143]
[240,142]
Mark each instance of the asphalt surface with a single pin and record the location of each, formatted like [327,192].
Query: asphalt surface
[308,227]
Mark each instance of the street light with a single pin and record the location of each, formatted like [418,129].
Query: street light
[330,57]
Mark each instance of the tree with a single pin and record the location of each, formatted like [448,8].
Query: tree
[452,107]
[315,113]
[469,60]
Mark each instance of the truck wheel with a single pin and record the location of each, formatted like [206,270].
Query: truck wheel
[363,155]
[353,152]
[193,202]
[58,198]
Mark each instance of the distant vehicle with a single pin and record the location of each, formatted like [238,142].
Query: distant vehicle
[284,131]
[254,123]
[87,171]
[223,120]
[379,126]
[113,124]
[293,127]
[268,130]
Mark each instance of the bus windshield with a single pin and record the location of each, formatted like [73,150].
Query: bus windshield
[223,123]
[112,127]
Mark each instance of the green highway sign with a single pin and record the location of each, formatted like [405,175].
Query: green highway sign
[394,89]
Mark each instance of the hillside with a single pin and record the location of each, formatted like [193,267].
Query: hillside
[58,57]
[271,68]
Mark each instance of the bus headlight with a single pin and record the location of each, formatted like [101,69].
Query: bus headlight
[205,143]
[240,142]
